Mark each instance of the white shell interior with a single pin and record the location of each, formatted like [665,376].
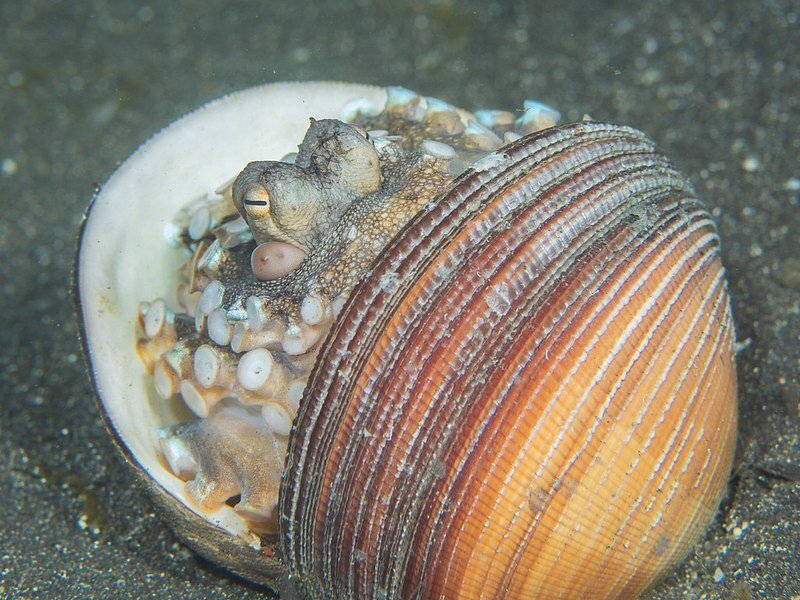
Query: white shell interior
[124,258]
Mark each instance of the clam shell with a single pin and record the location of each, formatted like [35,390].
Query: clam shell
[123,259]
[544,405]
[541,404]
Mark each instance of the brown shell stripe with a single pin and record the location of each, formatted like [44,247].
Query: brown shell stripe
[422,388]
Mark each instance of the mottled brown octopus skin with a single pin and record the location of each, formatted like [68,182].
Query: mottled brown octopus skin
[450,446]
[354,231]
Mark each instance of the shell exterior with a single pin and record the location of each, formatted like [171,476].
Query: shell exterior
[544,405]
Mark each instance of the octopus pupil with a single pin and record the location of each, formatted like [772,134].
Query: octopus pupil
[256,202]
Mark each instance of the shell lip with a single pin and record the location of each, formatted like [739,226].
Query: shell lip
[83,335]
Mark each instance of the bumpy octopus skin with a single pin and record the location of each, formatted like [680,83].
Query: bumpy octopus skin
[340,204]
[271,260]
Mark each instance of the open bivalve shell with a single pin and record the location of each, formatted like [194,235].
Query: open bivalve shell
[426,353]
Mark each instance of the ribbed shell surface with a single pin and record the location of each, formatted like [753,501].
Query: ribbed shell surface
[533,393]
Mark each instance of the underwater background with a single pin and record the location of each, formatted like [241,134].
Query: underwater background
[83,84]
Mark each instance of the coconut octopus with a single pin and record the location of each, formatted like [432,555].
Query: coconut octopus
[271,258]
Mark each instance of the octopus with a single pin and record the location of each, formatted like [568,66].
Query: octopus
[271,258]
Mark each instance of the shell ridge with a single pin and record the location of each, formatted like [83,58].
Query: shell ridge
[535,392]
[708,377]
[479,182]
[683,440]
[668,306]
[527,309]
[359,487]
[333,502]
[346,330]
[401,513]
[610,353]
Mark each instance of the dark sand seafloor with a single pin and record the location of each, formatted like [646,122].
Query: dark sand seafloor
[716,84]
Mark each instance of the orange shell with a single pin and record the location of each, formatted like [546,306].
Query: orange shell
[544,405]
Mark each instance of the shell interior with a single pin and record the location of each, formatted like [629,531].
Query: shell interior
[124,259]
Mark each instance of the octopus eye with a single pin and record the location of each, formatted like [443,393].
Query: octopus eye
[256,203]
[361,131]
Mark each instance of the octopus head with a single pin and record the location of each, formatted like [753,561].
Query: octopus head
[299,203]
[291,207]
